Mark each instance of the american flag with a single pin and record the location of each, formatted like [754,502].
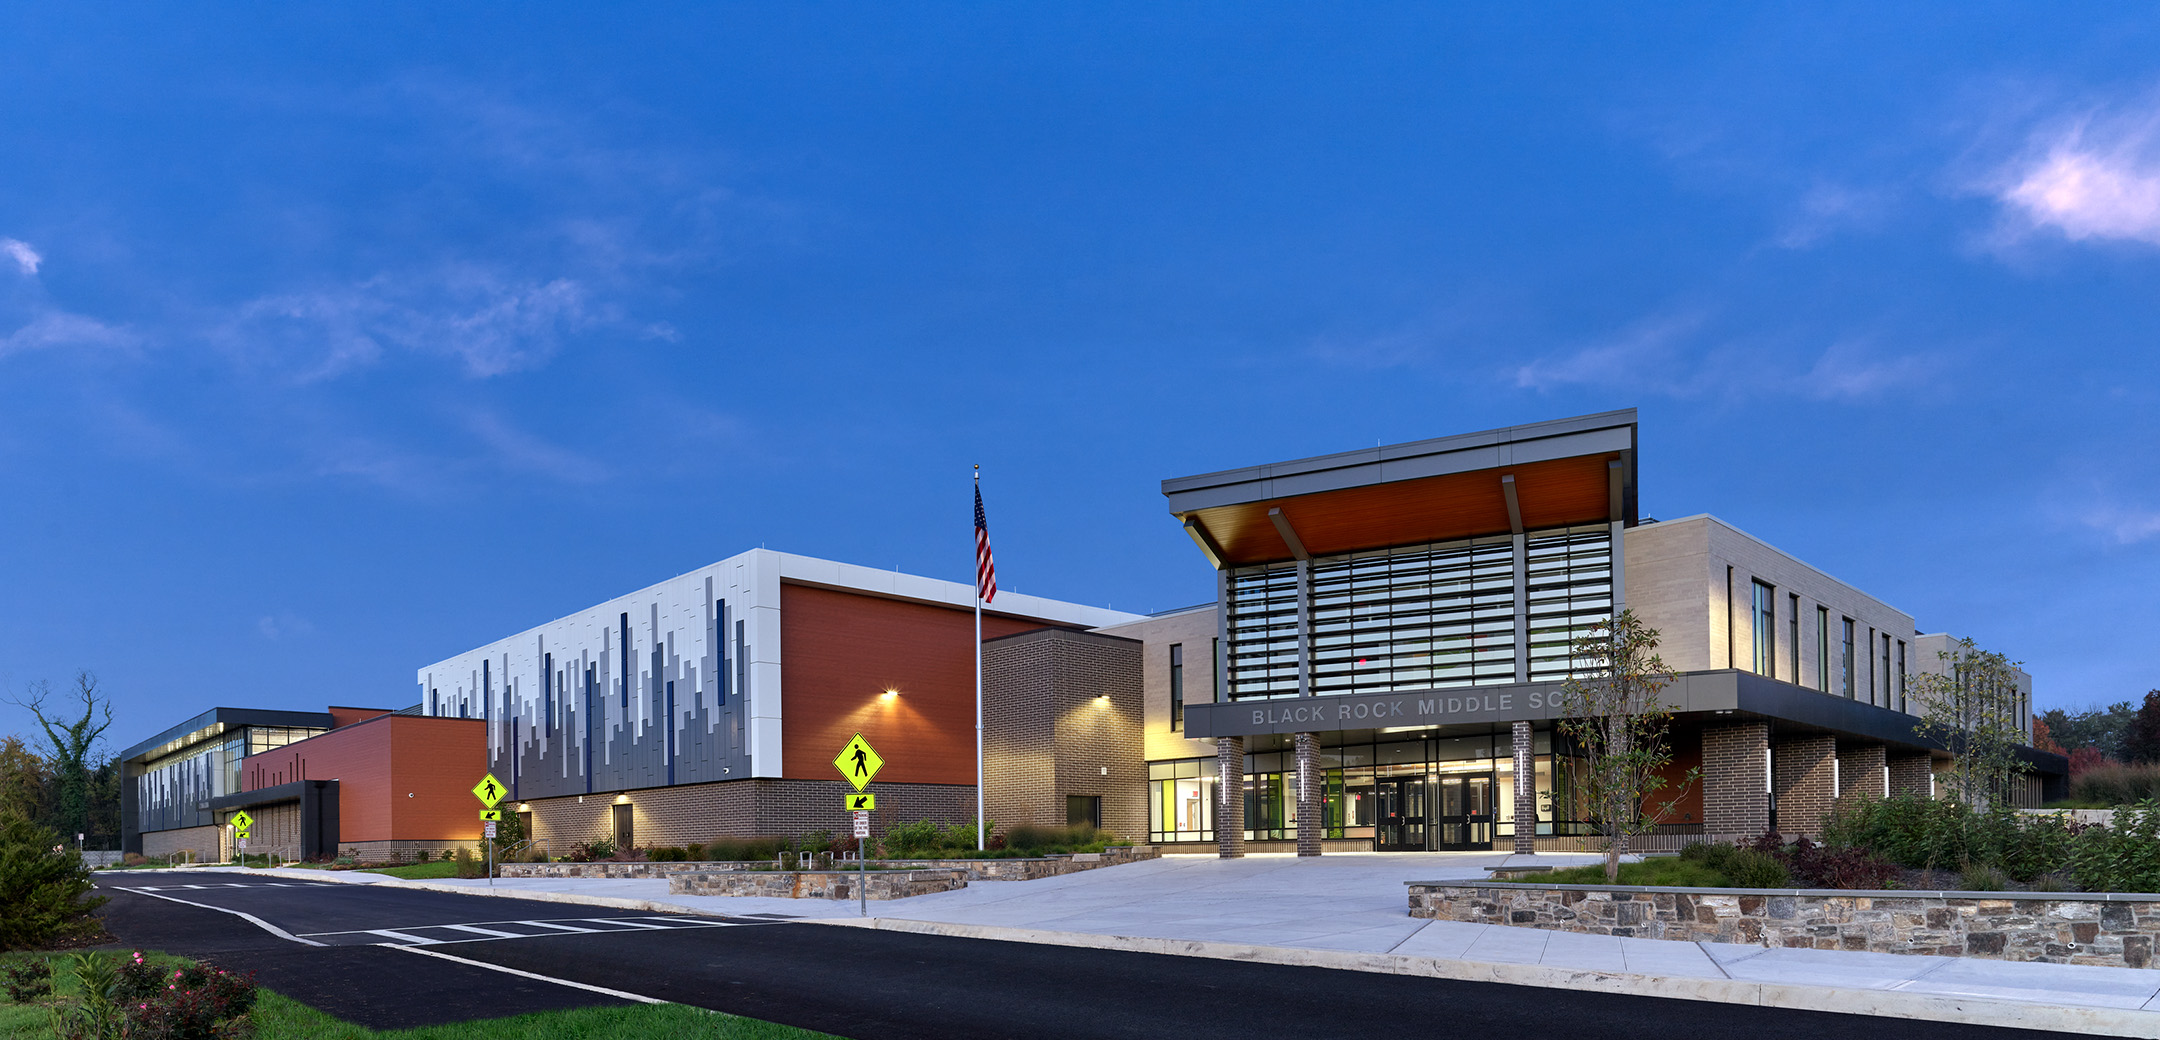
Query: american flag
[985,571]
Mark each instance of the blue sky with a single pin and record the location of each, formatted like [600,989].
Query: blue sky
[335,343]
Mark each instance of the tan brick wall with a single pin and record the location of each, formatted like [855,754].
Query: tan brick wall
[1062,716]
[203,840]
[1805,777]
[748,808]
[1195,630]
[1909,772]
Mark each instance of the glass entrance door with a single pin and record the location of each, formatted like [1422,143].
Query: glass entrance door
[1399,815]
[1465,818]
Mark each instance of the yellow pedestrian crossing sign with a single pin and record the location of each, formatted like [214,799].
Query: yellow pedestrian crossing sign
[489,790]
[491,815]
[241,821]
[858,762]
[864,802]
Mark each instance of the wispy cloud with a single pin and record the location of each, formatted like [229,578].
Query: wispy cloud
[517,450]
[279,626]
[489,322]
[1827,209]
[1680,355]
[2121,524]
[2091,176]
[26,259]
[51,329]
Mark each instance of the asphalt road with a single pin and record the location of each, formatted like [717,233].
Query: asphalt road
[870,985]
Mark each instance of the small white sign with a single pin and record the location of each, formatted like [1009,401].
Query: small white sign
[489,827]
[243,843]
[862,825]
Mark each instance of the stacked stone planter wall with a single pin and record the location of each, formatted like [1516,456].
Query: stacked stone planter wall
[974,869]
[2064,928]
[817,884]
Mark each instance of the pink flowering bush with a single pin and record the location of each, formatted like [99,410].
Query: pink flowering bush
[141,1001]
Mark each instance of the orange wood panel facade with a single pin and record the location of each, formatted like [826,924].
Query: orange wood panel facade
[839,652]
[1554,493]
[376,764]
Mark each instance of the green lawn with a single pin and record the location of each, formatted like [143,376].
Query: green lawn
[1660,870]
[278,1017]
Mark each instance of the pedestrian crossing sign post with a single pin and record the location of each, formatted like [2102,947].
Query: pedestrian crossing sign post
[489,790]
[858,762]
[491,815]
[861,803]
[241,821]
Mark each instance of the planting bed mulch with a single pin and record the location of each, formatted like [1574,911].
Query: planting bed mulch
[1940,880]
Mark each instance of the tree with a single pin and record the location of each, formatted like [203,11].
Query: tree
[2044,739]
[2098,728]
[1612,715]
[2141,739]
[1972,707]
[69,747]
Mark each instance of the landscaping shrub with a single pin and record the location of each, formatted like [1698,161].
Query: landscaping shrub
[2122,856]
[1980,877]
[736,850]
[1754,868]
[468,864]
[1709,854]
[667,854]
[27,979]
[139,1000]
[2117,783]
[44,896]
[694,852]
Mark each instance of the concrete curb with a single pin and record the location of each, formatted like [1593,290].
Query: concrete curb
[612,902]
[1883,1003]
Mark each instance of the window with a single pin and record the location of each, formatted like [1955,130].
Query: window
[1900,678]
[1822,649]
[1177,686]
[1886,687]
[1083,809]
[1765,630]
[1847,678]
[1792,621]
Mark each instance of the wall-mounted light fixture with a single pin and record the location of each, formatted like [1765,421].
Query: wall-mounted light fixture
[889,695]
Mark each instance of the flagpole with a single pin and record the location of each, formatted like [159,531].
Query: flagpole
[981,840]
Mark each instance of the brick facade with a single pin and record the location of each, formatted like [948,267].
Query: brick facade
[1308,794]
[1230,797]
[1525,790]
[747,808]
[1909,773]
[202,841]
[1062,717]
[1805,777]
[1861,772]
[1734,804]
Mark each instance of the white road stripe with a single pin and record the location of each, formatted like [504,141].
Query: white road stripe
[621,921]
[419,940]
[249,918]
[639,997]
[550,924]
[477,930]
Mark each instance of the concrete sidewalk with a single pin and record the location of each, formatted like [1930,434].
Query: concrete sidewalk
[1350,911]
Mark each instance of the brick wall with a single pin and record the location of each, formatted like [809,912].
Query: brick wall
[1230,797]
[747,808]
[1805,778]
[1732,782]
[1062,716]
[203,840]
[1909,772]
[1860,772]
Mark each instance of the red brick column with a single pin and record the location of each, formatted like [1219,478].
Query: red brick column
[1310,827]
[1909,771]
[1860,773]
[1525,791]
[1805,779]
[1734,802]
[1230,797]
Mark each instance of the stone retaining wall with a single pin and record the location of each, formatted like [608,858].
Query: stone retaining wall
[816,884]
[2063,928]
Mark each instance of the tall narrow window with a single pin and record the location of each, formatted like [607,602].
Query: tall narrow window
[1901,675]
[1847,678]
[1887,689]
[1177,686]
[1871,697]
[1765,630]
[1822,649]
[1215,670]
[547,690]
[1792,621]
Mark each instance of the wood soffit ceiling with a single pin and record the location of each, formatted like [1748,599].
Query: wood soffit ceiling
[1553,493]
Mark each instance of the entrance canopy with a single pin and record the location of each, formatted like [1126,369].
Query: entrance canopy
[1544,475]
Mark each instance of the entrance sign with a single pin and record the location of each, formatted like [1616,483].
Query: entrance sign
[858,762]
[861,802]
[491,815]
[241,821]
[862,825]
[489,790]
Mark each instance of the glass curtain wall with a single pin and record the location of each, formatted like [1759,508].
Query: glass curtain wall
[169,789]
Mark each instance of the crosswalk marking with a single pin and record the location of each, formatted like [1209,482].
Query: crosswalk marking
[564,927]
[477,930]
[622,921]
[410,940]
